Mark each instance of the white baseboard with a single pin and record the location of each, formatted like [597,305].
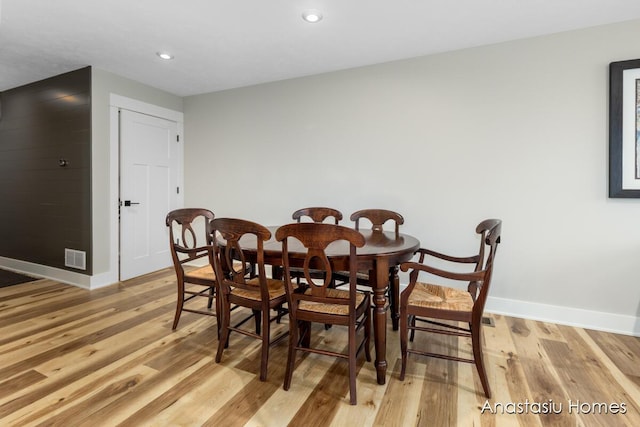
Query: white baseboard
[58,274]
[597,320]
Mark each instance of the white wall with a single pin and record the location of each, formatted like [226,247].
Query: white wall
[516,131]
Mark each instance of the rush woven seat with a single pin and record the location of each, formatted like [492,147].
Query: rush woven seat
[442,297]
[275,289]
[328,307]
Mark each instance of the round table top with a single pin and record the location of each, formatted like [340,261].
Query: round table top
[377,244]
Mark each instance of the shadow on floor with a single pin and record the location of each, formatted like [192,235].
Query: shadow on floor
[9,278]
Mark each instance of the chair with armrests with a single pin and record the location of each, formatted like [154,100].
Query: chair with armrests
[317,301]
[437,304]
[318,214]
[188,245]
[377,218]
[254,291]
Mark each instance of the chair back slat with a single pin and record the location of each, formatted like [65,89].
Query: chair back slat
[318,214]
[183,237]
[490,231]
[232,230]
[378,217]
[316,237]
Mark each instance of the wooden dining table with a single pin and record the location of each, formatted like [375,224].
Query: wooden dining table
[382,252]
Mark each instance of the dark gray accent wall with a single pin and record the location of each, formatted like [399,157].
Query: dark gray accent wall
[45,170]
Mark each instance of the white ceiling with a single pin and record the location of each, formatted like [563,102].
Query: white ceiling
[222,44]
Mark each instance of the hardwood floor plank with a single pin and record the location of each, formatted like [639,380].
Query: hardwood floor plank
[592,390]
[28,290]
[80,405]
[327,394]
[94,333]
[172,362]
[401,400]
[623,350]
[62,351]
[509,379]
[70,356]
[75,309]
[190,400]
[540,373]
[20,382]
[619,370]
[283,405]
[102,378]
[440,387]
[370,393]
[43,338]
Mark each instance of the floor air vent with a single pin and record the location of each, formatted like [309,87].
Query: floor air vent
[75,259]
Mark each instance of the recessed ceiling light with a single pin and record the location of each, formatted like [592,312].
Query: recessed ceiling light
[164,55]
[312,16]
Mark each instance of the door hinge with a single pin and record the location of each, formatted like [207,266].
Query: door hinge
[177,138]
[177,190]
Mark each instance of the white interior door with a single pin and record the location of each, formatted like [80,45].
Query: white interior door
[149,188]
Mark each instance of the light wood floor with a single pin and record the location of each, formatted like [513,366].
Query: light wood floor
[72,357]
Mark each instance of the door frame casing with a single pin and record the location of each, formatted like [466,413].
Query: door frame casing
[116,103]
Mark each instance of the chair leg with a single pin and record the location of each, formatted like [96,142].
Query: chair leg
[291,354]
[476,332]
[179,305]
[333,285]
[219,313]
[211,295]
[280,312]
[403,342]
[412,322]
[305,334]
[223,342]
[265,343]
[367,333]
[394,296]
[352,365]
[257,315]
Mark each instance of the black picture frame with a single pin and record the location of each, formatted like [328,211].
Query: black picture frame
[619,140]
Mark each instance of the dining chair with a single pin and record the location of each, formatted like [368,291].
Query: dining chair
[435,304]
[377,218]
[318,214]
[254,291]
[316,301]
[188,245]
